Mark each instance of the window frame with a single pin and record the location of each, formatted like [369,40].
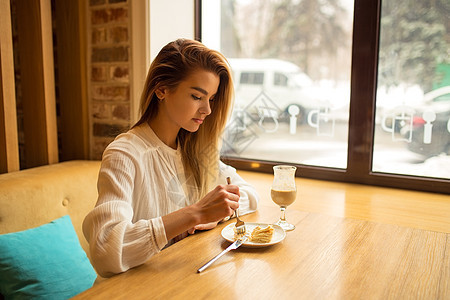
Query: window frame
[365,46]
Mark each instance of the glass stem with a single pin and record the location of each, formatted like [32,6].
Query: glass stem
[283,214]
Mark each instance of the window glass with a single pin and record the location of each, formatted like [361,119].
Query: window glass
[252,78]
[412,134]
[280,79]
[291,62]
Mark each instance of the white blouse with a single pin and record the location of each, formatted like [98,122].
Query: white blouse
[140,180]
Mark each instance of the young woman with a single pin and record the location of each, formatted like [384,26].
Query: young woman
[163,179]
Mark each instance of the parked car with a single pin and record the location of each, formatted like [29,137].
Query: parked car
[273,90]
[269,86]
[430,130]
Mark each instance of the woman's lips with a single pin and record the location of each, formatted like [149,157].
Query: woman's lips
[198,121]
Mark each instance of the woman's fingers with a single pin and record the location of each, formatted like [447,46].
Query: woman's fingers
[206,226]
[230,192]
[234,189]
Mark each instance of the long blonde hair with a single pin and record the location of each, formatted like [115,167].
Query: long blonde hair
[200,149]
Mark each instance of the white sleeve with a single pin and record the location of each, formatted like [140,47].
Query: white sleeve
[248,202]
[117,244]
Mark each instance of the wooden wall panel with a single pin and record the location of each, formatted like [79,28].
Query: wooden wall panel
[73,124]
[9,148]
[37,80]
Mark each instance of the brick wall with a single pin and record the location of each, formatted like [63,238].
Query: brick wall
[109,71]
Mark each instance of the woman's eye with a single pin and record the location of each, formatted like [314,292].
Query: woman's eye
[196,98]
[212,99]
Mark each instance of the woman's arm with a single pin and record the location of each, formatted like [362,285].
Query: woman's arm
[117,243]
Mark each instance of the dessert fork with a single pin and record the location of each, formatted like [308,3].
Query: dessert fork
[240,225]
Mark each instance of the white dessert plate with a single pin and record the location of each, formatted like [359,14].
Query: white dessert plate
[278,234]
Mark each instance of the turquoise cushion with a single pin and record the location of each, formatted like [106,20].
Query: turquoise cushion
[46,262]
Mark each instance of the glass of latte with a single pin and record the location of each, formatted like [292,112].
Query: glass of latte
[284,191]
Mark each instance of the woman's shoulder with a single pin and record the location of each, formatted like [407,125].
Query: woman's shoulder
[126,142]
[133,142]
[135,138]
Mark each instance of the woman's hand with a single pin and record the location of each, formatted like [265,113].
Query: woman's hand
[203,227]
[219,203]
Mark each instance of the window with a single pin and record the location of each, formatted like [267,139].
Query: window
[412,133]
[252,78]
[293,93]
[280,79]
[331,69]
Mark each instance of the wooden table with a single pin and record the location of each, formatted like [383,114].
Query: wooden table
[325,257]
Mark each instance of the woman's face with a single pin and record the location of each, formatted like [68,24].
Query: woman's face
[188,105]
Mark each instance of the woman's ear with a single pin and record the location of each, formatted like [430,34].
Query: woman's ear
[160,93]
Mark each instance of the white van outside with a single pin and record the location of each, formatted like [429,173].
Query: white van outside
[271,91]
[272,84]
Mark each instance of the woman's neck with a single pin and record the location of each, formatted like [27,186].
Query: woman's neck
[165,133]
